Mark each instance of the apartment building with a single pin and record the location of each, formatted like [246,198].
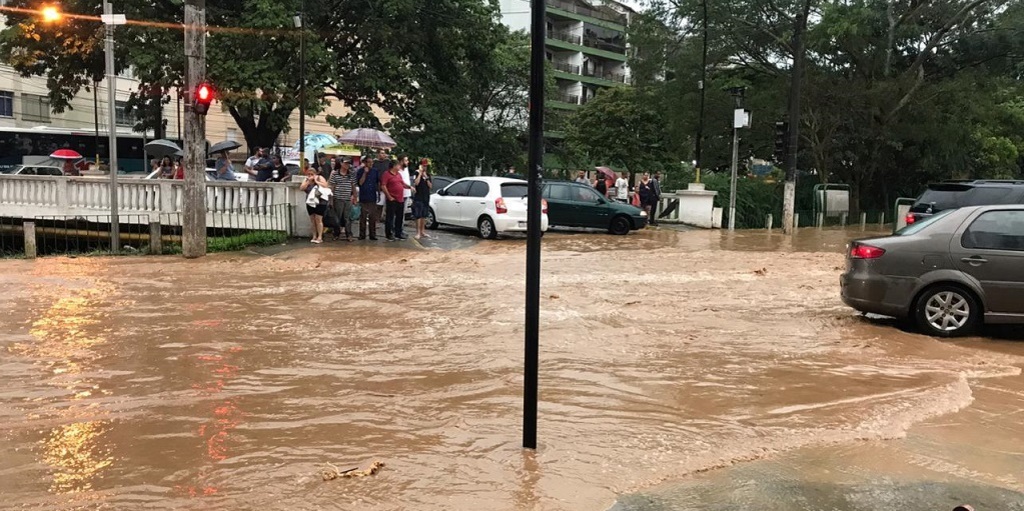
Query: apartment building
[586,45]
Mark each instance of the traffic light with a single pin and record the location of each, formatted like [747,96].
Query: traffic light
[781,141]
[203,98]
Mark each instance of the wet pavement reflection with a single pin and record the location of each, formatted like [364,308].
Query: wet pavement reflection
[227,383]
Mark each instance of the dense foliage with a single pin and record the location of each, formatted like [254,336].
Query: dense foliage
[896,93]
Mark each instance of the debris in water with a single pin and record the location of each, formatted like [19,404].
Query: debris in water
[762,272]
[634,302]
[332,472]
[553,297]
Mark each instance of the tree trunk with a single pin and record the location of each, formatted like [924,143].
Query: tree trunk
[789,199]
[257,134]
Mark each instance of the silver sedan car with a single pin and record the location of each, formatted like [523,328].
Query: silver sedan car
[949,272]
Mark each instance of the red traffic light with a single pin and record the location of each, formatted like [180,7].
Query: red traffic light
[203,98]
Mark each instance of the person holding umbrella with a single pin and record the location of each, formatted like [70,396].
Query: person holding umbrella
[225,170]
[166,167]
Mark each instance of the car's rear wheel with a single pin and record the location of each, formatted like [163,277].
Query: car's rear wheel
[431,219]
[485,226]
[947,311]
[620,226]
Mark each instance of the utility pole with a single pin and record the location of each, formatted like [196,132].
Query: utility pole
[535,177]
[115,225]
[789,191]
[193,214]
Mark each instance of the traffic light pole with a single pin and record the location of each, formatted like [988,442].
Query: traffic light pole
[193,209]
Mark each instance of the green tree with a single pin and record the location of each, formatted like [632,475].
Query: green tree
[621,126]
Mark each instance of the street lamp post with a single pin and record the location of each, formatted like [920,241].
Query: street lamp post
[111,20]
[298,20]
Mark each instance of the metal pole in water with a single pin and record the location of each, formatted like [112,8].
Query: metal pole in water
[533,224]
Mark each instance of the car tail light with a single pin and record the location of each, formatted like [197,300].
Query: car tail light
[499,206]
[911,218]
[858,251]
[544,206]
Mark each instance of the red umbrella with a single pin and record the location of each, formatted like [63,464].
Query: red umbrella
[66,154]
[607,172]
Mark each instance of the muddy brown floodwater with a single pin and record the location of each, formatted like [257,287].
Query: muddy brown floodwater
[227,383]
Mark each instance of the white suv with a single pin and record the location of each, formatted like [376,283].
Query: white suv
[491,205]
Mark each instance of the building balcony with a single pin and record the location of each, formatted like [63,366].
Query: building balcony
[566,67]
[566,36]
[611,77]
[604,44]
[572,99]
[569,6]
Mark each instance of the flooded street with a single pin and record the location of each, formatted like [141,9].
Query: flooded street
[228,383]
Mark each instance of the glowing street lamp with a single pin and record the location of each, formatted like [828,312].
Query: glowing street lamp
[51,14]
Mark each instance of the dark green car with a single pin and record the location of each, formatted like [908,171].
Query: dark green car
[579,205]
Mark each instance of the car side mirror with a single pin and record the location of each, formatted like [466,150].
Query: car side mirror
[442,192]
[601,200]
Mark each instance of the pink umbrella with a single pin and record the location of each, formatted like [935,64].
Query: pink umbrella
[66,154]
[607,172]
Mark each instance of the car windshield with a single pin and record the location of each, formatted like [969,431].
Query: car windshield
[10,170]
[922,224]
[514,190]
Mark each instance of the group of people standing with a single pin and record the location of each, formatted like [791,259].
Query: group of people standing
[646,194]
[346,195]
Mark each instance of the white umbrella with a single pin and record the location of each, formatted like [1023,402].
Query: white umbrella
[368,137]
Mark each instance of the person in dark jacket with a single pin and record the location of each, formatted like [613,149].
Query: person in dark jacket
[653,219]
[648,196]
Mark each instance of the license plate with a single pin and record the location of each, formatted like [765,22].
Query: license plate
[522,224]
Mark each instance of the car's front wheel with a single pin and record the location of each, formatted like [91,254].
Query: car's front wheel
[620,226]
[431,219]
[947,311]
[486,228]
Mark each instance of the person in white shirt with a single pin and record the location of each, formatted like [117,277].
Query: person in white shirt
[622,188]
[407,179]
[250,164]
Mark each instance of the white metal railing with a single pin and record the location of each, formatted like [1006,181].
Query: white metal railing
[37,196]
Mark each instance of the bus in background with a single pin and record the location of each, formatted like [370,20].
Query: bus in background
[19,145]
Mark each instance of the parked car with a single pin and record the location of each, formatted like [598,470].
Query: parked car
[950,271]
[957,194]
[33,170]
[211,175]
[491,205]
[579,205]
[440,183]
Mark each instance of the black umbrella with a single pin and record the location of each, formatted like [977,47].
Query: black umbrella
[162,147]
[227,145]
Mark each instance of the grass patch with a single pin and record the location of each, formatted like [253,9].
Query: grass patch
[235,243]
